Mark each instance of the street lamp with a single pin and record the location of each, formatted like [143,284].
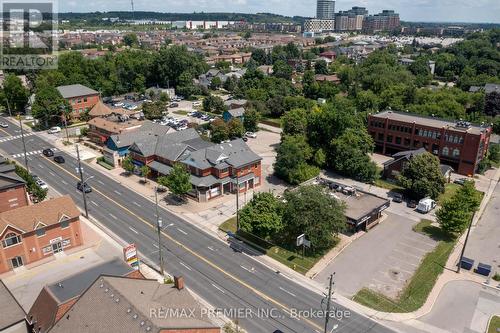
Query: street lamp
[159,224]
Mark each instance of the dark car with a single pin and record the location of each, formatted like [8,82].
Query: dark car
[48,152]
[79,186]
[398,197]
[412,204]
[59,159]
[174,105]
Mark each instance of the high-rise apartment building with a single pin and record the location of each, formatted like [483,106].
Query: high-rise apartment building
[350,20]
[385,21]
[325,10]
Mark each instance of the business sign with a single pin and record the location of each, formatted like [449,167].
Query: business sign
[300,239]
[130,256]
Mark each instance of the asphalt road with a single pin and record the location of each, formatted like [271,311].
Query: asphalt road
[262,299]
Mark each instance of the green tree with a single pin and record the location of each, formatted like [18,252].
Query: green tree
[214,104]
[154,110]
[15,93]
[178,180]
[48,105]
[310,210]
[262,216]
[321,67]
[251,120]
[128,165]
[292,159]
[260,56]
[235,128]
[282,70]
[219,131]
[494,152]
[145,172]
[422,177]
[216,83]
[453,217]
[468,196]
[295,122]
[130,40]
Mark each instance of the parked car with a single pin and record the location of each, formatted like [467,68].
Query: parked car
[205,117]
[118,104]
[398,197]
[197,103]
[48,152]
[250,135]
[42,184]
[412,204]
[28,118]
[4,125]
[54,130]
[59,159]
[85,187]
[174,105]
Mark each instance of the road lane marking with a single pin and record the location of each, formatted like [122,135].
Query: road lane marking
[41,166]
[156,246]
[186,266]
[52,174]
[64,182]
[182,231]
[218,288]
[113,216]
[133,230]
[100,182]
[252,270]
[288,292]
[210,248]
[117,192]
[199,256]
[94,203]
[135,203]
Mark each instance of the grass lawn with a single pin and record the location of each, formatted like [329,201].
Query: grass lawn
[292,259]
[415,293]
[388,185]
[449,190]
[181,112]
[494,324]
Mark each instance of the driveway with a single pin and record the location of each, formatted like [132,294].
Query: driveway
[382,259]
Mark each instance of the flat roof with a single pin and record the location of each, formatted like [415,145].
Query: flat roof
[428,121]
[360,204]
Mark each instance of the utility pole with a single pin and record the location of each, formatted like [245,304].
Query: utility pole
[65,121]
[465,243]
[237,202]
[82,182]
[329,298]
[24,144]
[159,224]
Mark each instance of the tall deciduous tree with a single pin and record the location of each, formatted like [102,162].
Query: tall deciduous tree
[262,216]
[251,120]
[294,153]
[422,177]
[48,105]
[178,180]
[16,94]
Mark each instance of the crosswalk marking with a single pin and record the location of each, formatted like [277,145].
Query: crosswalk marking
[31,153]
[15,137]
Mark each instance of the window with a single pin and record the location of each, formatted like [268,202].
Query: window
[16,262]
[425,133]
[450,138]
[79,101]
[456,152]
[11,239]
[407,142]
[445,151]
[398,140]
[40,232]
[434,135]
[461,140]
[389,138]
[64,224]
[85,99]
[381,136]
[455,140]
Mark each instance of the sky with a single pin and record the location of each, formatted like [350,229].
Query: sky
[409,10]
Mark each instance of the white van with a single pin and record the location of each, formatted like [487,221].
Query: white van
[54,130]
[426,205]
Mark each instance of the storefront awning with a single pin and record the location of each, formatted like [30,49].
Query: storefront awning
[160,167]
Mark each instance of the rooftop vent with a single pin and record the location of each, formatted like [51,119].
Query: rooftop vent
[463,124]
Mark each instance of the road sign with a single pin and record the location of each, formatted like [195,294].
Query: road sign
[307,243]
[300,239]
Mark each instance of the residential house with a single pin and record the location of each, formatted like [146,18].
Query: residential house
[235,103]
[35,232]
[13,317]
[238,113]
[13,192]
[333,78]
[266,69]
[458,144]
[120,304]
[80,97]
[55,299]
[100,129]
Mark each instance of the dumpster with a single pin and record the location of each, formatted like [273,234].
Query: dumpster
[467,263]
[483,269]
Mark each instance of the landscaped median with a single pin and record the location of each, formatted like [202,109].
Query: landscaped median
[292,259]
[416,292]
[494,324]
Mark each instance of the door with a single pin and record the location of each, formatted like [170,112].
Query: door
[16,262]
[57,247]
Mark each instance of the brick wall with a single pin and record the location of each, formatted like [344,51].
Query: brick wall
[13,198]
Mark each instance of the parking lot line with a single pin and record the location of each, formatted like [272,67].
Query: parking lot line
[407,254]
[412,247]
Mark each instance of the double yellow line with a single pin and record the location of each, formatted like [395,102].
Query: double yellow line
[208,262]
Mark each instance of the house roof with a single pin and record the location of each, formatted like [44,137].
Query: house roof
[491,87]
[147,129]
[12,312]
[238,102]
[113,126]
[117,304]
[407,154]
[76,90]
[100,110]
[47,212]
[235,113]
[428,121]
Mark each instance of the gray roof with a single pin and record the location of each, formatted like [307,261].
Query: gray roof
[409,153]
[74,285]
[235,153]
[160,167]
[114,304]
[11,312]
[147,129]
[76,90]
[445,169]
[240,102]
[491,87]
[235,113]
[207,181]
[428,121]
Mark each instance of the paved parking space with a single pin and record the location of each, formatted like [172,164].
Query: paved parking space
[382,259]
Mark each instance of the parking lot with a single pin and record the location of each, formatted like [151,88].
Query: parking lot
[383,259]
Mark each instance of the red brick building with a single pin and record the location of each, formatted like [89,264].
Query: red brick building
[12,188]
[460,145]
[80,97]
[215,168]
[57,298]
[35,232]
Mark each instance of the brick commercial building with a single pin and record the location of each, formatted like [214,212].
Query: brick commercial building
[80,98]
[460,145]
[120,304]
[57,298]
[12,187]
[35,232]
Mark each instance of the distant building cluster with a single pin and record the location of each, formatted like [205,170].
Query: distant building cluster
[355,19]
